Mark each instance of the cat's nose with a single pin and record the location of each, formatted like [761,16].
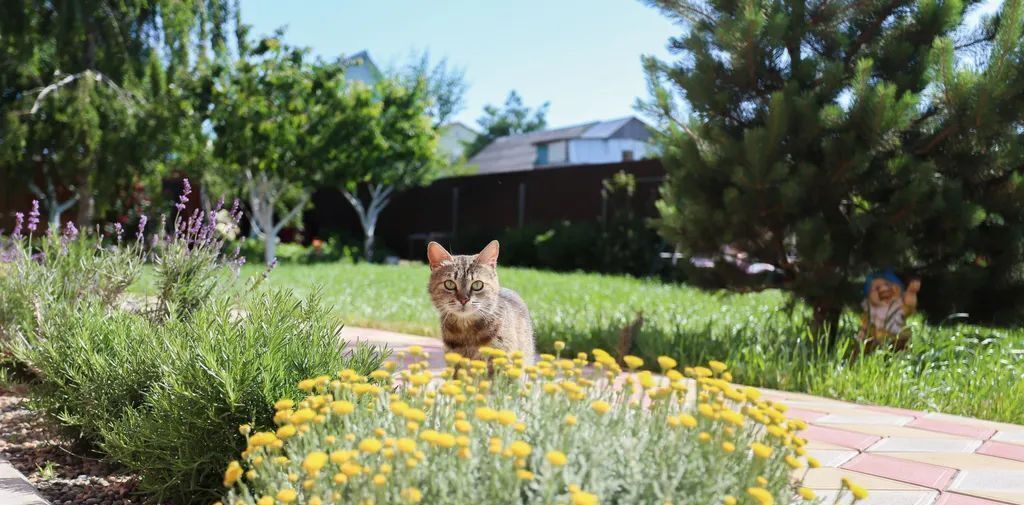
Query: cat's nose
[462,299]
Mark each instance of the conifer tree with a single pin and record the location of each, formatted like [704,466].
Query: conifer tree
[833,137]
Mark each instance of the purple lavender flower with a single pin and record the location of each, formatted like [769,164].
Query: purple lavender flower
[142,227]
[19,218]
[70,232]
[118,231]
[183,199]
[33,217]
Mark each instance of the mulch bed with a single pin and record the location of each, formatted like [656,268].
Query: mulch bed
[61,476]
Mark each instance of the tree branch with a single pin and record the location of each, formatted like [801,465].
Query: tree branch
[68,79]
[291,214]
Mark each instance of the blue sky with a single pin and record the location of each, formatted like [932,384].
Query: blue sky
[581,55]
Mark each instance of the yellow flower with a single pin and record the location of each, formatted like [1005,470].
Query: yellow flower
[666,363]
[302,416]
[262,438]
[761,450]
[412,495]
[859,493]
[380,375]
[570,420]
[445,440]
[559,345]
[729,500]
[342,408]
[340,478]
[524,474]
[557,458]
[406,445]
[287,495]
[370,445]
[633,362]
[704,436]
[486,414]
[717,366]
[266,500]
[284,404]
[307,385]
[761,494]
[285,431]
[761,481]
[244,429]
[806,493]
[728,446]
[506,417]
[413,414]
[520,449]
[687,420]
[379,480]
[813,462]
[601,406]
[314,462]
[584,498]
[315,501]
[232,474]
[793,462]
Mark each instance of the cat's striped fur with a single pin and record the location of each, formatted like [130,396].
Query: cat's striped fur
[475,310]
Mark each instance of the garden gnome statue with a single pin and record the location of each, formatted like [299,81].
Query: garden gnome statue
[887,304]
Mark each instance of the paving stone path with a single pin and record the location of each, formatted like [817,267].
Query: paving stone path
[903,457]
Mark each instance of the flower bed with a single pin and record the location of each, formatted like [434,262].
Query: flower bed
[558,432]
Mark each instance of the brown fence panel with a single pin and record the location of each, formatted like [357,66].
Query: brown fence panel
[485,205]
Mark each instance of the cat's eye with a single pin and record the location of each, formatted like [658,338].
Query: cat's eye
[449,285]
[477,286]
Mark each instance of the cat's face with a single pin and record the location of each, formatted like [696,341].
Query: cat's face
[464,286]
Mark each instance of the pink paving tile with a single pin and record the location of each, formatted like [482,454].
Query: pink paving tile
[805,415]
[922,474]
[952,428]
[962,499]
[894,410]
[1002,450]
[843,438]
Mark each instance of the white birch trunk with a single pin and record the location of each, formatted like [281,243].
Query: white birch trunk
[263,196]
[380,197]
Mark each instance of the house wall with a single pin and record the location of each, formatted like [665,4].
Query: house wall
[557,152]
[605,150]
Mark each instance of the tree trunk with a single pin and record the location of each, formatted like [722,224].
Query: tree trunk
[825,323]
[368,247]
[86,204]
[380,196]
[269,248]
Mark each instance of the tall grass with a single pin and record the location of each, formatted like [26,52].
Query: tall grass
[959,369]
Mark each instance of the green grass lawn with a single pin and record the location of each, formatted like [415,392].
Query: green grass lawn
[959,369]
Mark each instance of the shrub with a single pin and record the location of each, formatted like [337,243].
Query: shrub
[91,366]
[39,272]
[563,436]
[221,373]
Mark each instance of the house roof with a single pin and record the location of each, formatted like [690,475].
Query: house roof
[518,152]
[360,67]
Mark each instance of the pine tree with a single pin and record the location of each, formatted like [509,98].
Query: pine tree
[832,137]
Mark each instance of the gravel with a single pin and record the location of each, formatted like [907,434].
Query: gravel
[61,476]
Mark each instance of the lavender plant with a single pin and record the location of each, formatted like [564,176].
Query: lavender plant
[39,271]
[189,260]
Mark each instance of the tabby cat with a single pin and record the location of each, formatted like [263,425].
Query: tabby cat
[475,310]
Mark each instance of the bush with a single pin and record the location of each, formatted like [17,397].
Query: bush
[562,436]
[330,250]
[39,272]
[219,370]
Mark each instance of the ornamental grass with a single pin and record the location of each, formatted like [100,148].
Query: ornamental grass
[567,431]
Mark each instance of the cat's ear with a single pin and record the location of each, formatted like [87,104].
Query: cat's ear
[436,254]
[489,256]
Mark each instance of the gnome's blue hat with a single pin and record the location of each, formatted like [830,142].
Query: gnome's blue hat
[888,275]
